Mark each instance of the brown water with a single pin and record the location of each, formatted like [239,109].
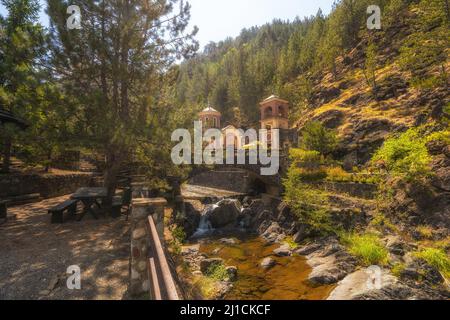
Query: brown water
[285,281]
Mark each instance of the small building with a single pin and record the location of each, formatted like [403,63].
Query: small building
[211,118]
[274,115]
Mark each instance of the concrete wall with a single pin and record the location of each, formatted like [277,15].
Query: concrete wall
[47,185]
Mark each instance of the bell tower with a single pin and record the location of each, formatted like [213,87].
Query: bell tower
[211,118]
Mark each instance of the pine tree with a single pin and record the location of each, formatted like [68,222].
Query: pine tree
[112,63]
[21,44]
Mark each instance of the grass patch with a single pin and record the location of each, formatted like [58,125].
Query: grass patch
[291,243]
[380,221]
[206,286]
[397,269]
[436,258]
[367,248]
[425,232]
[217,272]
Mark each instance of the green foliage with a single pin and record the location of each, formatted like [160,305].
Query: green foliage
[367,248]
[338,174]
[397,269]
[307,203]
[405,155]
[425,232]
[179,234]
[382,222]
[370,66]
[291,243]
[318,138]
[217,272]
[443,136]
[436,258]
[428,45]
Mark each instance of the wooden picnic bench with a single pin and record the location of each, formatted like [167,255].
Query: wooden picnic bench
[57,211]
[90,197]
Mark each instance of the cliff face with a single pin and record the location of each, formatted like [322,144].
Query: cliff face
[364,117]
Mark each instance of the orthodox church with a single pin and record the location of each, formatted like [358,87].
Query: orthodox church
[274,115]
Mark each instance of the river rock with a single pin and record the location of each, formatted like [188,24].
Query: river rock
[224,213]
[283,251]
[268,263]
[308,249]
[330,264]
[228,241]
[208,263]
[232,273]
[360,283]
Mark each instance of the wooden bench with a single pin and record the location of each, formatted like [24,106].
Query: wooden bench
[58,211]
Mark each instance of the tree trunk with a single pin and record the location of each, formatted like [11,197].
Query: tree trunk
[114,159]
[6,155]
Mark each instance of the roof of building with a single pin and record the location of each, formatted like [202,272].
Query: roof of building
[273,97]
[210,109]
[6,116]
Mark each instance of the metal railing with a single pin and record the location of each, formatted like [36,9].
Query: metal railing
[162,282]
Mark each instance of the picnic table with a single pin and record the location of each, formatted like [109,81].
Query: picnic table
[90,197]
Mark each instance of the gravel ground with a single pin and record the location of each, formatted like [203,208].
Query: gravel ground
[35,254]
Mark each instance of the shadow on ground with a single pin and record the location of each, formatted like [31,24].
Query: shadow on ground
[35,254]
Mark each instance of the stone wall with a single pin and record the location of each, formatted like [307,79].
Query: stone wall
[359,190]
[141,243]
[48,185]
[232,180]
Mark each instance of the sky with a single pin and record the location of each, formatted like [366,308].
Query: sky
[219,19]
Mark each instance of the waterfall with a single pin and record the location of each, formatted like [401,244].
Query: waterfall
[205,227]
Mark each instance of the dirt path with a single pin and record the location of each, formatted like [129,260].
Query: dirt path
[35,254]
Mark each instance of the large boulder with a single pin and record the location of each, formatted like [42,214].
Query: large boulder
[190,219]
[225,213]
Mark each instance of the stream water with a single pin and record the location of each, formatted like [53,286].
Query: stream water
[287,280]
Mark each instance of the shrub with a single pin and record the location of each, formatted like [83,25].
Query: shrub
[305,158]
[318,138]
[305,165]
[303,174]
[405,155]
[443,136]
[381,221]
[436,258]
[397,269]
[291,243]
[179,234]
[367,248]
[425,231]
[217,272]
[338,174]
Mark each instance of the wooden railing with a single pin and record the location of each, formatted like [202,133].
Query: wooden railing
[162,282]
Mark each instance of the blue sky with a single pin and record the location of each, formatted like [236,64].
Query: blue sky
[218,19]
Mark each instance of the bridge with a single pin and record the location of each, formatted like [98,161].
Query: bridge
[253,179]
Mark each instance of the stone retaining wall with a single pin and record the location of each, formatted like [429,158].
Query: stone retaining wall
[48,185]
[141,244]
[359,190]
